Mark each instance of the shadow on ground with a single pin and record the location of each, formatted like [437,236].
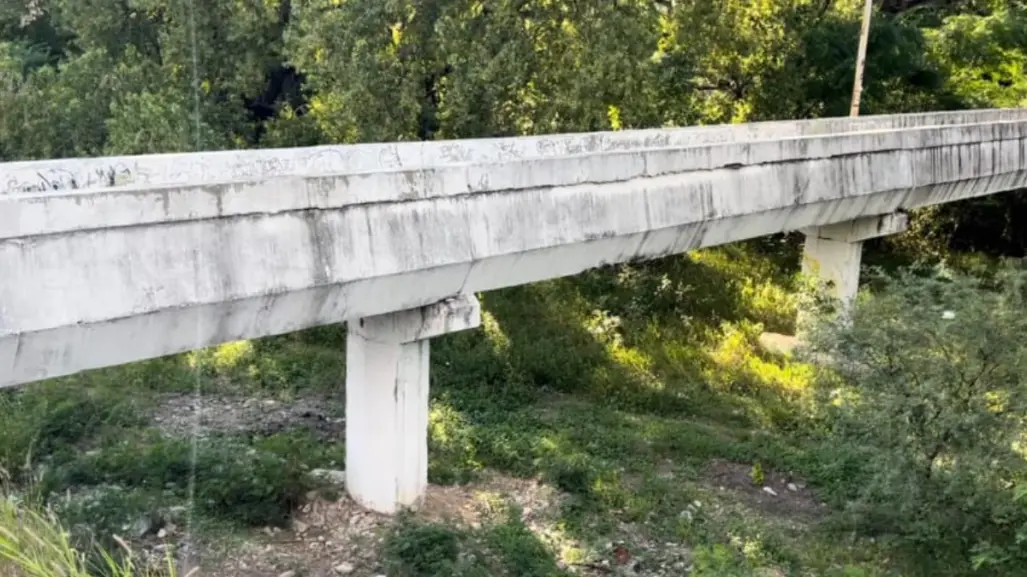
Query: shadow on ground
[616,389]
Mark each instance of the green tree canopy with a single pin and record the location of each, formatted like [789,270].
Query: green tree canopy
[89,77]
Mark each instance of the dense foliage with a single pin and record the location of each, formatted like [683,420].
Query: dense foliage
[926,383]
[90,77]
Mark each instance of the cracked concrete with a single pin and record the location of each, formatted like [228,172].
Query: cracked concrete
[189,250]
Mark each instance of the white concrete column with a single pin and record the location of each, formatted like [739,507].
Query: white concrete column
[834,262]
[387,400]
[833,253]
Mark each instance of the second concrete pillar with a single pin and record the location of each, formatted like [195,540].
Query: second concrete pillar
[833,253]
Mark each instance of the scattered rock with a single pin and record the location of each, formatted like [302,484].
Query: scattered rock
[776,343]
[329,476]
[798,505]
[162,534]
[344,568]
[300,527]
[288,574]
[177,416]
[176,513]
[621,555]
[145,526]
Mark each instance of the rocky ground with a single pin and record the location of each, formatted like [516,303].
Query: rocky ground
[337,537]
[181,415]
[329,535]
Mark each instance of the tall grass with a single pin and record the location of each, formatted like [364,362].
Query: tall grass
[34,544]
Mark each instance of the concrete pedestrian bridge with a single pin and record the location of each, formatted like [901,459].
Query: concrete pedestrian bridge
[105,261]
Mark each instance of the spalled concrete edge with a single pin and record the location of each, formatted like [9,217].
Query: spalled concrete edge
[986,148]
[49,176]
[459,313]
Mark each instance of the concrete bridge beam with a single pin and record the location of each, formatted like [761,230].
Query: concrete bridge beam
[387,377]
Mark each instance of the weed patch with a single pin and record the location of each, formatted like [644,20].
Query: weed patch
[233,480]
[50,422]
[502,546]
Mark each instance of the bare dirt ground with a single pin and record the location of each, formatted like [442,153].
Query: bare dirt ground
[779,495]
[329,537]
[176,416]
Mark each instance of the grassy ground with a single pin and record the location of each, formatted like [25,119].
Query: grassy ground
[620,422]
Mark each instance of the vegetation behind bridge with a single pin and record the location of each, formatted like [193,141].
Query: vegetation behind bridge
[638,394]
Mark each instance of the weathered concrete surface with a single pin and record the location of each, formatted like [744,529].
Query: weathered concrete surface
[191,250]
[387,364]
[234,166]
[833,253]
[861,229]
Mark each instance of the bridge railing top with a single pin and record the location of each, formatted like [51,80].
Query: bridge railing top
[57,176]
[156,201]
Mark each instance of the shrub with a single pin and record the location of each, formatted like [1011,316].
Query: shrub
[502,546]
[53,417]
[233,481]
[929,375]
[414,548]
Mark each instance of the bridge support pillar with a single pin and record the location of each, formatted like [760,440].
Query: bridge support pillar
[387,400]
[833,253]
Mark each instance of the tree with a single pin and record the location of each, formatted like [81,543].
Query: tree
[926,379]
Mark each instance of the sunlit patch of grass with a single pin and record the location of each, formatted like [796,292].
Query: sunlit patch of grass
[228,356]
[775,392]
[633,363]
[493,332]
[617,387]
[766,289]
[452,446]
[740,365]
[275,366]
[34,544]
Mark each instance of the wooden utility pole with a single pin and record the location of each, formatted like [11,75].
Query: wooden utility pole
[861,57]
